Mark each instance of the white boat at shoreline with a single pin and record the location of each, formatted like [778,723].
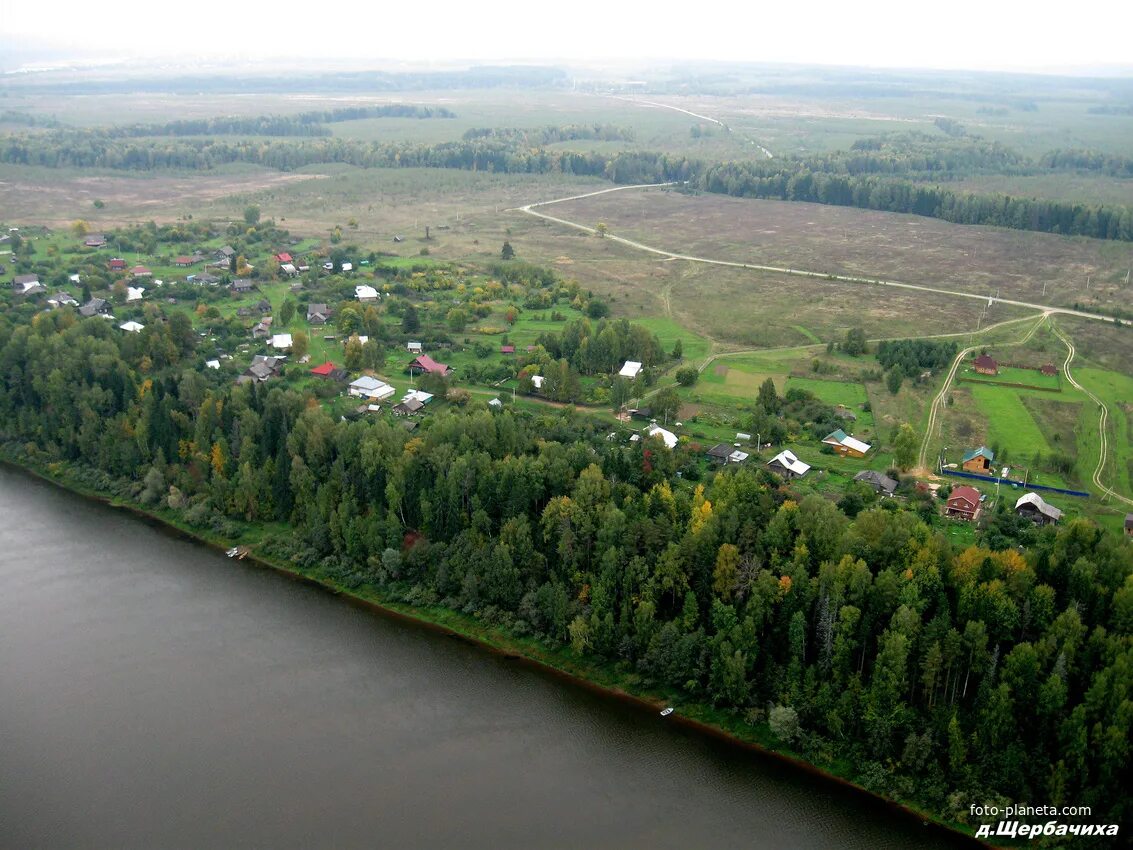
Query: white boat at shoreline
[665,712]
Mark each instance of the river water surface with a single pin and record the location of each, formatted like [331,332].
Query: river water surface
[154,694]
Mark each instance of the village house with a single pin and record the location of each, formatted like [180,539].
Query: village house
[241,285]
[883,485]
[134,293]
[283,257]
[723,453]
[117,265]
[1049,369]
[420,395]
[1129,525]
[1032,506]
[224,254]
[95,240]
[407,408]
[132,327]
[262,306]
[537,381]
[496,404]
[183,262]
[427,364]
[281,342]
[963,503]
[507,349]
[985,365]
[365,294]
[371,388]
[846,445]
[95,307]
[141,271]
[414,347]
[318,314]
[263,329]
[62,299]
[27,284]
[263,368]
[288,269]
[978,460]
[669,438]
[788,465]
[203,279]
[630,369]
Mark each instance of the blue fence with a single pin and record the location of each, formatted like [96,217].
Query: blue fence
[1015,483]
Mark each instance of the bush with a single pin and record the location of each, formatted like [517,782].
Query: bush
[687,376]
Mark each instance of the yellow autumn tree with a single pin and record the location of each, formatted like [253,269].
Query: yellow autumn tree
[701,510]
[724,575]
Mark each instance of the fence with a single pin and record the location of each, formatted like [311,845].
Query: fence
[1014,483]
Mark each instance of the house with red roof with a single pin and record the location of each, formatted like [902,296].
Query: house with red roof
[427,364]
[283,257]
[963,503]
[117,265]
[324,370]
[985,365]
[183,262]
[507,349]
[141,271]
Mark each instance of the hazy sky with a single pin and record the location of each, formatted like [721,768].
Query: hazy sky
[992,34]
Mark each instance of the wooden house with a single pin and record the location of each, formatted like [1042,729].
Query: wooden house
[1032,506]
[979,460]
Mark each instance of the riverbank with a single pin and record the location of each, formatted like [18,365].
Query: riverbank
[607,680]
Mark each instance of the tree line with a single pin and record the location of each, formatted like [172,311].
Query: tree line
[946,676]
[301,124]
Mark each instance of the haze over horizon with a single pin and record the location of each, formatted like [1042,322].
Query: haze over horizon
[969,35]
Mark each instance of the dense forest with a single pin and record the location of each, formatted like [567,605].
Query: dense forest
[1000,672]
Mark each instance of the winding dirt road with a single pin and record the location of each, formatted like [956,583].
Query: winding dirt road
[1103,420]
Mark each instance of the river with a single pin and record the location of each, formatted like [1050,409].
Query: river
[154,694]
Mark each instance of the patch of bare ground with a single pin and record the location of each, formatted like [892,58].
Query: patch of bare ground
[1020,265]
[57,199]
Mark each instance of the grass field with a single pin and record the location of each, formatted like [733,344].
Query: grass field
[849,395]
[982,260]
[1009,424]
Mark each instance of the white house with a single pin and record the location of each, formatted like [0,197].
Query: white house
[212,364]
[281,341]
[371,388]
[134,293]
[288,269]
[630,369]
[421,396]
[414,347]
[537,381]
[668,436]
[496,404]
[348,267]
[132,327]
[365,293]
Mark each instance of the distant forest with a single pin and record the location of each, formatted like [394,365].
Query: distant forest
[903,173]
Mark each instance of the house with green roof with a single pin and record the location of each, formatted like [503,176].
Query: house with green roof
[979,460]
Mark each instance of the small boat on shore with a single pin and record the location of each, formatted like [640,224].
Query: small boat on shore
[665,712]
[238,552]
[233,552]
